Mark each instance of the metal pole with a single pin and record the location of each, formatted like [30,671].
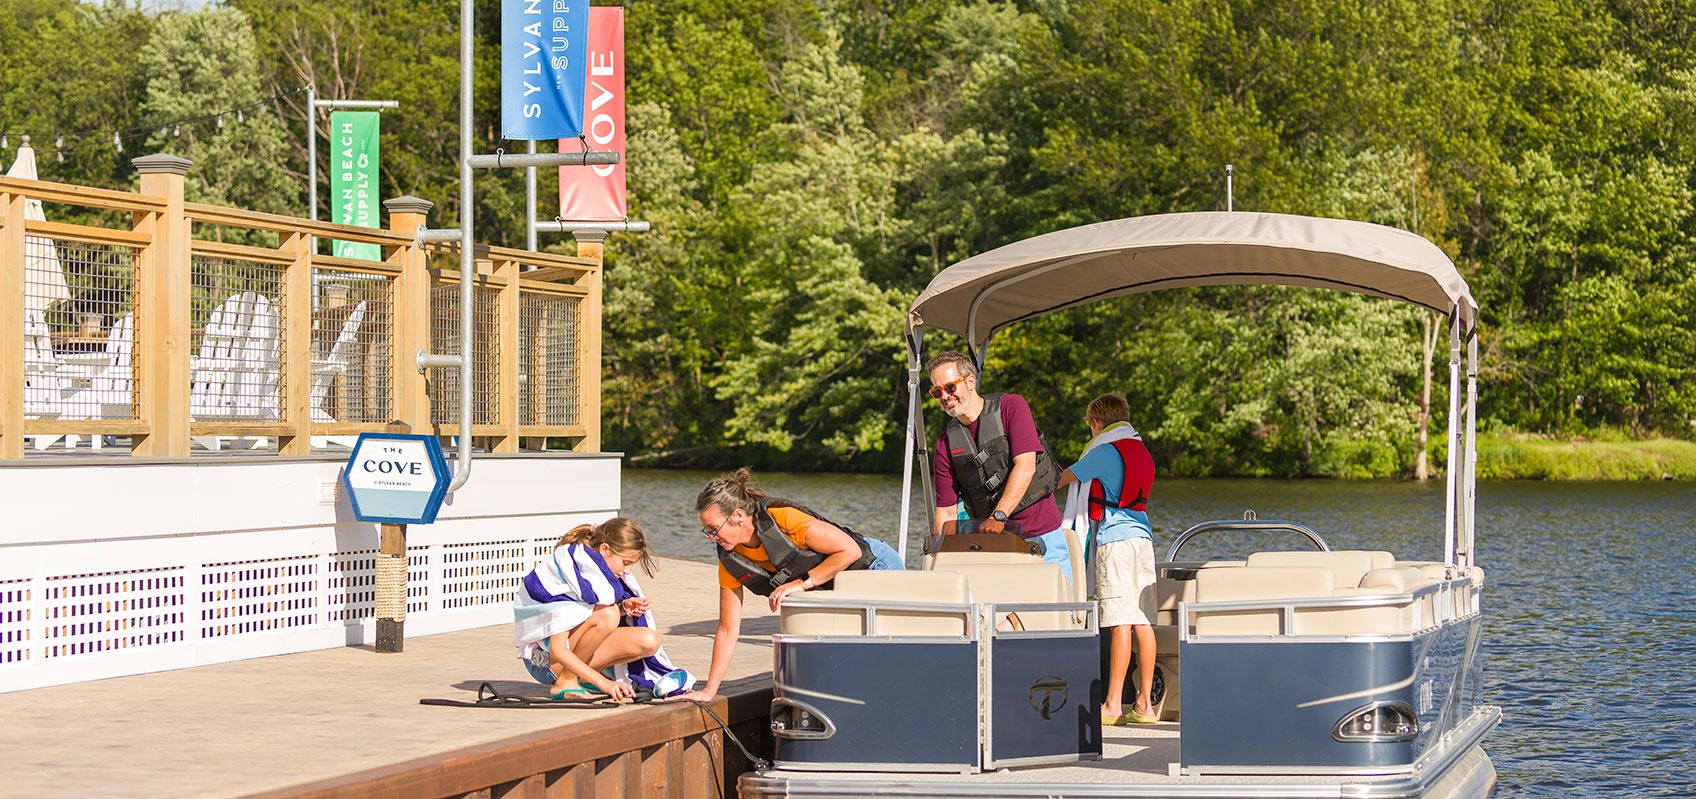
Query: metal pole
[530,201]
[1230,192]
[568,225]
[467,257]
[907,459]
[1452,508]
[1470,487]
[312,155]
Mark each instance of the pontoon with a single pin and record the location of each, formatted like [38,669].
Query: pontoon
[1282,673]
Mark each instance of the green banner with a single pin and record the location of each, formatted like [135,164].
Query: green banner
[353,178]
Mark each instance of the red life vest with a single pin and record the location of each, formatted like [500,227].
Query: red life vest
[1139,480]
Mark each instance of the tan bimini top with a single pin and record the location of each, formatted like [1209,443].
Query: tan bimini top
[982,294]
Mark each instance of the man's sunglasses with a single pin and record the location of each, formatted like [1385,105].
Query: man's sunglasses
[951,387]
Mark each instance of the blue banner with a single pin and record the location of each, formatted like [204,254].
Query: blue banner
[544,59]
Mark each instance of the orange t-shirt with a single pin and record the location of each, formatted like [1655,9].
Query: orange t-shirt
[792,522]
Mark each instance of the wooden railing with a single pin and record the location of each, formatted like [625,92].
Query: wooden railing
[197,328]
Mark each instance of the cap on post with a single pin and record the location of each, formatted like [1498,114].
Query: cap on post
[408,204]
[162,164]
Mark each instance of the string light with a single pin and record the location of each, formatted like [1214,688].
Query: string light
[59,149]
[172,127]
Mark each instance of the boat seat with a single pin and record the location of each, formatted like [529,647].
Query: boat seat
[1349,565]
[1169,591]
[891,585]
[1256,583]
[1035,582]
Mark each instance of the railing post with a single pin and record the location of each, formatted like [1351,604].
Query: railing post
[507,377]
[411,310]
[589,246]
[12,330]
[297,340]
[162,335]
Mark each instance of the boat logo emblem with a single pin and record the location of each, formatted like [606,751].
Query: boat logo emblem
[1048,694]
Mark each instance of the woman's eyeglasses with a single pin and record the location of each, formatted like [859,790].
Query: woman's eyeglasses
[712,532]
[950,387]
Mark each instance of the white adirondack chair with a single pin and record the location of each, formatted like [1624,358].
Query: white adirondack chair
[326,369]
[43,385]
[235,372]
[112,389]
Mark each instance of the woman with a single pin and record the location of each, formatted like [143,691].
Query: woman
[581,618]
[773,547]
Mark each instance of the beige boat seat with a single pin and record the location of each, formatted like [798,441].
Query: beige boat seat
[946,587]
[1348,565]
[1256,583]
[1035,582]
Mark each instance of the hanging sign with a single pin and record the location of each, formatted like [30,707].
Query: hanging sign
[396,478]
[353,178]
[598,192]
[544,46]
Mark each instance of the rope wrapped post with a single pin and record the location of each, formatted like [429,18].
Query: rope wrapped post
[391,576]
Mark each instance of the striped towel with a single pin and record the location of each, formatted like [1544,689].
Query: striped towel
[562,591]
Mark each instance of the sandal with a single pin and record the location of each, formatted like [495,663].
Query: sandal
[582,691]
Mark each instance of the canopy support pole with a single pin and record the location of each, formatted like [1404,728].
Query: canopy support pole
[1470,475]
[914,443]
[1452,508]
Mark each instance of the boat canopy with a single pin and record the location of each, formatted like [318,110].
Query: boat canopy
[979,296]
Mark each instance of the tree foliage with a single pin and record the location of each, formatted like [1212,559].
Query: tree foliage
[809,166]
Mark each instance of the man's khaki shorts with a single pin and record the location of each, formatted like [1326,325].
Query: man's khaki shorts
[1124,579]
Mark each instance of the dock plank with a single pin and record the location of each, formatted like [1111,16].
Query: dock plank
[302,724]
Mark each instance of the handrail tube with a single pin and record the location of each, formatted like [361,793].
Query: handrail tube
[467,247]
[521,160]
[569,225]
[1257,524]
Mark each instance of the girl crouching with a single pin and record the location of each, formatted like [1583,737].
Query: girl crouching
[581,623]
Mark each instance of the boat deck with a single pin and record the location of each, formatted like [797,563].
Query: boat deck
[1137,761]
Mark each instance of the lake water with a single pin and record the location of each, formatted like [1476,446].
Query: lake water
[1590,623]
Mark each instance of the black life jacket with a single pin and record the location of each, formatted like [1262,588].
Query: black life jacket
[789,561]
[1139,480]
[981,467]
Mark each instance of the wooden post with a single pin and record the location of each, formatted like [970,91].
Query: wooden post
[12,330]
[162,333]
[589,322]
[297,340]
[391,576]
[506,397]
[411,311]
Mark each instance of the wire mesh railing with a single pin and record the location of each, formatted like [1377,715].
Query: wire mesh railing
[79,321]
[255,341]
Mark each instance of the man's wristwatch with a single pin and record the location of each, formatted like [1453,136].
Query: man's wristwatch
[999,515]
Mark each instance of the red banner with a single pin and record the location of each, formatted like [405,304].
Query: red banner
[598,192]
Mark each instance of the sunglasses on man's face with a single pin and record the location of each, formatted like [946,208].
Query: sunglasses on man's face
[950,387]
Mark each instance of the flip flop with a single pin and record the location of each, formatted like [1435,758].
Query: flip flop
[1110,720]
[582,691]
[1133,717]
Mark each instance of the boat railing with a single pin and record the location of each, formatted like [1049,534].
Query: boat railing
[1431,606]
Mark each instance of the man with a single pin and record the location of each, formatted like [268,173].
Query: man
[1120,475]
[991,458]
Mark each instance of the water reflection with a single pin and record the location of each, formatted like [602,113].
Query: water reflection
[1593,675]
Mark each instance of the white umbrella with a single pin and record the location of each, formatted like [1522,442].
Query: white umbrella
[44,277]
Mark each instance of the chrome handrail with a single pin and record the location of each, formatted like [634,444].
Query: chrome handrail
[1249,522]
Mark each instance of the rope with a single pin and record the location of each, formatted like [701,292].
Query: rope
[391,586]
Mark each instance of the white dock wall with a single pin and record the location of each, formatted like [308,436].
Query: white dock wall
[111,567]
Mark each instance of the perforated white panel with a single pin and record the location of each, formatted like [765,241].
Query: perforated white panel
[483,574]
[16,613]
[88,613]
[352,584]
[258,595]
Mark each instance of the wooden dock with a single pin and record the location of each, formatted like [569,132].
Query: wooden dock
[347,722]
